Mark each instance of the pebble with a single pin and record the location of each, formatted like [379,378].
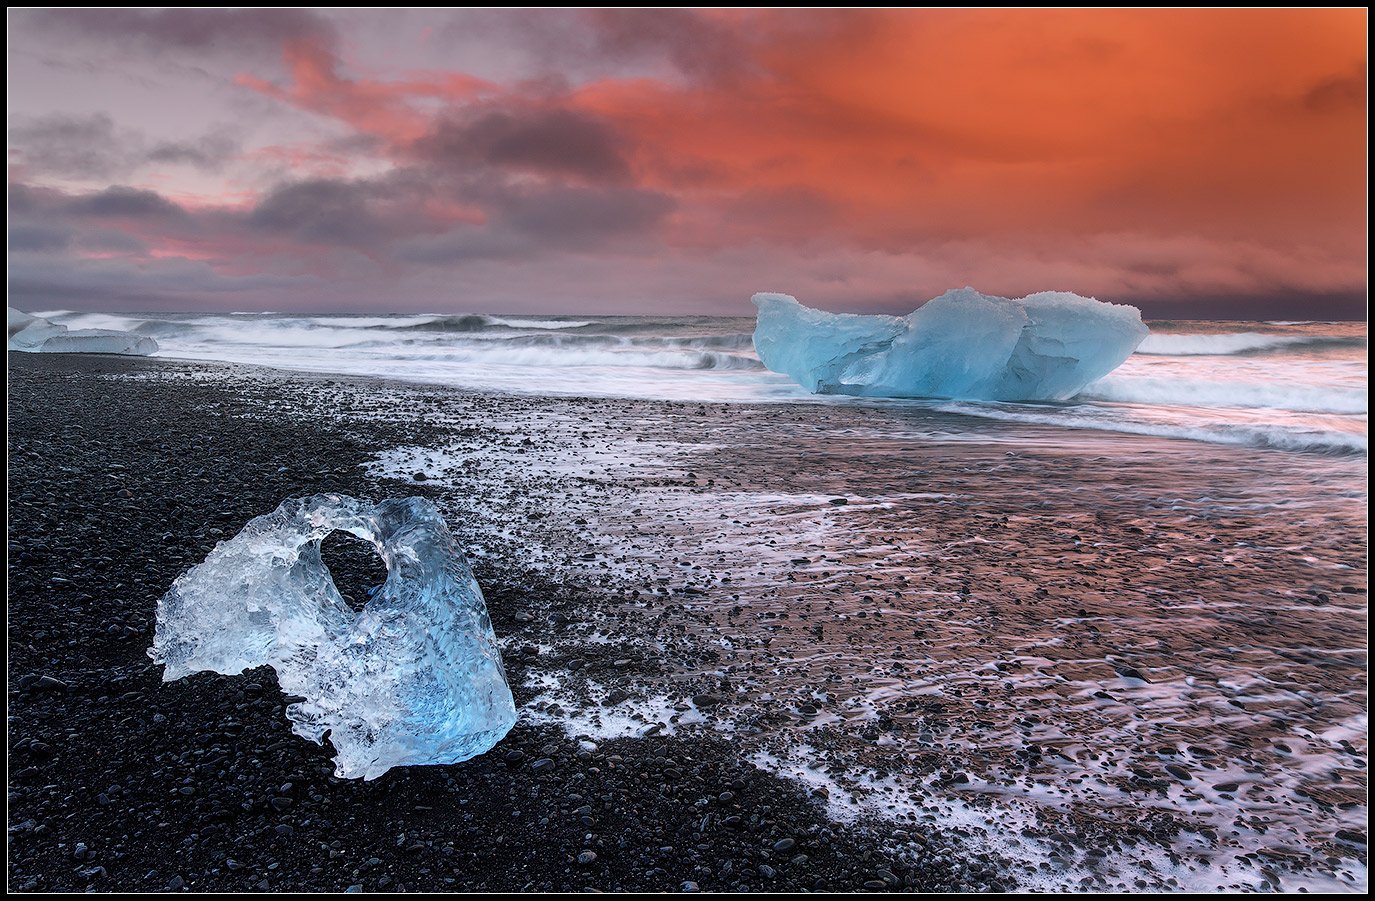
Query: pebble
[587,857]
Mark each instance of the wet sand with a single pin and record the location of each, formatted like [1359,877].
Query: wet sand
[930,651]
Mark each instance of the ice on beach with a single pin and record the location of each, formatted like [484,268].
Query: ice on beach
[33,334]
[414,678]
[963,345]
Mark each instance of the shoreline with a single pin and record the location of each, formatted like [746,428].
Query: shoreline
[536,486]
[1295,387]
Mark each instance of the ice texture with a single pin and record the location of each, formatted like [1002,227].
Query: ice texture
[963,345]
[414,678]
[33,334]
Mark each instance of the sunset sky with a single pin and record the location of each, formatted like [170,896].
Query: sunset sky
[1196,163]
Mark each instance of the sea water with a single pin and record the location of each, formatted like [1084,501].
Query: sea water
[1290,385]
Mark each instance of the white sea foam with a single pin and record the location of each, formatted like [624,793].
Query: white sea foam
[1299,386]
[538,323]
[1169,344]
[1223,393]
[1279,436]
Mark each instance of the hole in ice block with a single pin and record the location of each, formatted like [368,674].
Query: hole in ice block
[355,566]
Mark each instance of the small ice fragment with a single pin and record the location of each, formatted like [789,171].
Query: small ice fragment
[963,344]
[414,678]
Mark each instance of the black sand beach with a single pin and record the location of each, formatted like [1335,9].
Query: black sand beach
[119,782]
[1148,649]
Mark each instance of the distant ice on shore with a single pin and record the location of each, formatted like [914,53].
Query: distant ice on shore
[962,345]
[32,334]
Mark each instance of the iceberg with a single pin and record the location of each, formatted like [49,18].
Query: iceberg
[963,345]
[414,678]
[33,334]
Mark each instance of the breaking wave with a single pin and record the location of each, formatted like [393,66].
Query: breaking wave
[1209,393]
[1293,386]
[1238,343]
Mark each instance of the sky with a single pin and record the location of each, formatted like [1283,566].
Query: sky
[1197,163]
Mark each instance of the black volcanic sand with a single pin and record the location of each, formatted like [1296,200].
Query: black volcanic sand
[121,782]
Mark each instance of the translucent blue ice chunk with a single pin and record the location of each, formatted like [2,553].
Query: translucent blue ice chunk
[963,345]
[33,334]
[414,678]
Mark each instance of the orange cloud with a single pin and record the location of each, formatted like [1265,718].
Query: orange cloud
[373,107]
[974,122]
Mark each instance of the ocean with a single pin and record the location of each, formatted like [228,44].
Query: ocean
[1298,386]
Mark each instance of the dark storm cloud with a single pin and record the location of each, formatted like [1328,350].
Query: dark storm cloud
[1338,92]
[585,217]
[553,141]
[324,211]
[37,282]
[23,199]
[110,241]
[123,202]
[70,146]
[465,244]
[92,148]
[439,210]
[110,212]
[531,224]
[597,42]
[694,44]
[208,153]
[39,238]
[237,31]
